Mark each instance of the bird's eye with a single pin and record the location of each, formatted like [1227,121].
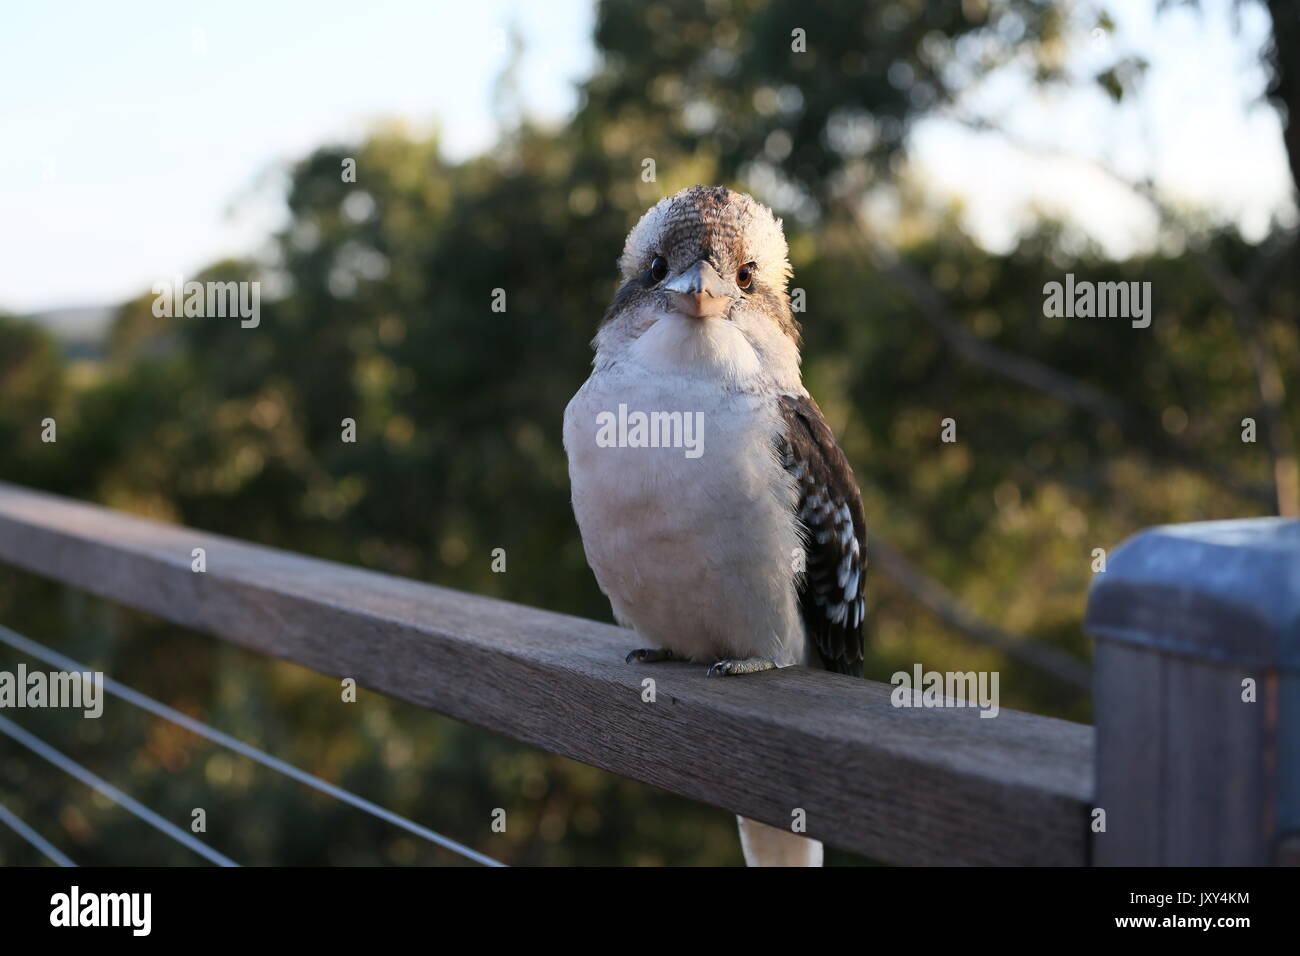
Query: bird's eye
[659,268]
[745,276]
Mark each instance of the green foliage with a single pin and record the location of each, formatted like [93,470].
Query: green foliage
[32,388]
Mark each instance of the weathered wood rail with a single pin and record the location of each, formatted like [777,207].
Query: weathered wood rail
[913,786]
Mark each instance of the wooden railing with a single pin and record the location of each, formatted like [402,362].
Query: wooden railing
[914,786]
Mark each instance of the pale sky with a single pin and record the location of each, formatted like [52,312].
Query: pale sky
[128,131]
[139,140]
[1201,131]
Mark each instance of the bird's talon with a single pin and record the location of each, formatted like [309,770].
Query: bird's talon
[649,655]
[730,666]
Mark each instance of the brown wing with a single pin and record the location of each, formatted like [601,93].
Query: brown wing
[832,590]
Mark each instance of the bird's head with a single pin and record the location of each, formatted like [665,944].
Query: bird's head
[706,250]
[707,255]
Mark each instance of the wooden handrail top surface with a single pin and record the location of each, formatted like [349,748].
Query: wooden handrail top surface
[912,786]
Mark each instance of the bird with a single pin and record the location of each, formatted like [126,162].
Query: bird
[746,549]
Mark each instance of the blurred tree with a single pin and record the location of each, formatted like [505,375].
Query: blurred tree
[32,390]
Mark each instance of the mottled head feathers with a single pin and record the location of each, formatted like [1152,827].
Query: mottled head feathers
[727,229]
[720,258]
[712,222]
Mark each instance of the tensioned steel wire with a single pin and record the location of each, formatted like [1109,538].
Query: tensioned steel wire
[102,786]
[130,695]
[48,849]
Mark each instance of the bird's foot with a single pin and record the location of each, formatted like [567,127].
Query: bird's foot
[749,665]
[652,655]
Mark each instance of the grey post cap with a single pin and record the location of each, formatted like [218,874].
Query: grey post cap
[1216,590]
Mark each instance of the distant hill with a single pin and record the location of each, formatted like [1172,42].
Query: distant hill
[81,330]
[88,323]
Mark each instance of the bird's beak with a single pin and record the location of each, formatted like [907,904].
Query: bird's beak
[698,291]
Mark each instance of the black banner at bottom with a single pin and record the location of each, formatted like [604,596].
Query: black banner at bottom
[332,906]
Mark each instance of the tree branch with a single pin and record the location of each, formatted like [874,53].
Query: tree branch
[948,609]
[936,312]
[1240,301]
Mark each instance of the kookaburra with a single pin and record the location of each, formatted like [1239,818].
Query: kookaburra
[746,551]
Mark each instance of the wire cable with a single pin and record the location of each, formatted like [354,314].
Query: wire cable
[102,786]
[158,709]
[16,824]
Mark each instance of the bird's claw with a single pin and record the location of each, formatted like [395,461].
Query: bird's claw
[751,665]
[649,655]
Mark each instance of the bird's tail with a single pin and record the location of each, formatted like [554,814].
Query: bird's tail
[771,846]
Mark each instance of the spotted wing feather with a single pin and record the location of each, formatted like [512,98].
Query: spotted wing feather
[832,589]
